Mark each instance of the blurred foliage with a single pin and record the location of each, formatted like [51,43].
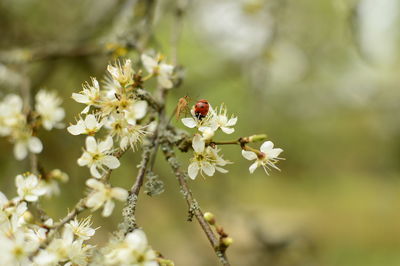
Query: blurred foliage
[312,75]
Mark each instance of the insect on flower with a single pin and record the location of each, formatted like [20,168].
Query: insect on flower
[201,108]
[182,106]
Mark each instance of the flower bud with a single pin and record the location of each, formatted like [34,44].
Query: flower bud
[210,218]
[255,138]
[28,217]
[227,241]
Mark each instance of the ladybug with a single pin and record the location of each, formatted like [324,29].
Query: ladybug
[201,109]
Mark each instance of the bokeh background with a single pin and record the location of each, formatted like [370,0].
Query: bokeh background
[321,78]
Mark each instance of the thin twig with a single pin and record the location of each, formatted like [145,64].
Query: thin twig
[194,207]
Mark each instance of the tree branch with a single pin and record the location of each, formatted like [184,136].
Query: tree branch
[194,208]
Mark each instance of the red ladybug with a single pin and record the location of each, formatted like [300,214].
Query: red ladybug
[201,109]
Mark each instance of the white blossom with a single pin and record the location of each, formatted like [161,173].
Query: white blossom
[133,250]
[160,69]
[268,158]
[88,126]
[128,135]
[11,115]
[209,121]
[50,183]
[64,249]
[90,95]
[29,187]
[98,155]
[15,250]
[223,122]
[82,229]
[122,73]
[205,160]
[26,142]
[103,195]
[48,107]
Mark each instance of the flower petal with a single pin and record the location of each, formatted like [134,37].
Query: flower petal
[77,129]
[91,144]
[85,159]
[20,150]
[119,193]
[94,171]
[266,147]
[90,121]
[35,145]
[253,167]
[106,144]
[193,170]
[110,161]
[198,144]
[249,155]
[189,122]
[108,208]
[149,63]
[274,153]
[94,184]
[140,109]
[80,98]
[208,168]
[227,130]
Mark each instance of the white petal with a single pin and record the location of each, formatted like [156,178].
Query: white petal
[232,122]
[198,144]
[20,150]
[249,155]
[123,143]
[253,167]
[110,161]
[165,82]
[221,170]
[94,184]
[274,153]
[106,144]
[19,181]
[108,208]
[208,168]
[227,130]
[137,240]
[113,71]
[119,193]
[91,144]
[95,200]
[86,109]
[149,63]
[77,129]
[90,121]
[35,145]
[94,171]
[80,98]
[31,198]
[85,159]
[140,109]
[189,122]
[193,170]
[266,147]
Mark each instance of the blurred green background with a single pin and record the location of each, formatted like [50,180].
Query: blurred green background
[319,77]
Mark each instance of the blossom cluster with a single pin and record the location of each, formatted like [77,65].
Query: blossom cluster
[22,236]
[206,158]
[20,124]
[115,111]
[132,250]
